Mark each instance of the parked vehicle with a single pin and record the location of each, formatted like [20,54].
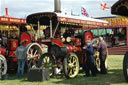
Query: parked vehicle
[10,36]
[63,38]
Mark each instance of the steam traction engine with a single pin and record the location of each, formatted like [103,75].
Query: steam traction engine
[61,41]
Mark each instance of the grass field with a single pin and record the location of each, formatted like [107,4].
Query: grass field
[114,77]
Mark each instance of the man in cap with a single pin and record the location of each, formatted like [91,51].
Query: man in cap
[90,59]
[20,54]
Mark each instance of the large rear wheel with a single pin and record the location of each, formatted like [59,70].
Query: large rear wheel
[71,65]
[125,66]
[33,53]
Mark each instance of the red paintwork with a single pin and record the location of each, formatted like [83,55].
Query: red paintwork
[88,36]
[58,42]
[6,11]
[78,49]
[15,59]
[11,53]
[3,51]
[12,44]
[13,56]
[78,42]
[73,39]
[25,37]
[72,48]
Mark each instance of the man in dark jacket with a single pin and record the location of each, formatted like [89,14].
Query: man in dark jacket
[90,59]
[102,47]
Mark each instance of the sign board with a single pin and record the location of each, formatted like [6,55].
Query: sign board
[116,21]
[82,22]
[12,20]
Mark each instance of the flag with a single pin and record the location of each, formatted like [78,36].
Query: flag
[104,6]
[83,12]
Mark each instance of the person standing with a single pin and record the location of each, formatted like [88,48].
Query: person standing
[20,54]
[89,66]
[102,48]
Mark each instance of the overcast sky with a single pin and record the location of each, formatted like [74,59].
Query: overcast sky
[22,8]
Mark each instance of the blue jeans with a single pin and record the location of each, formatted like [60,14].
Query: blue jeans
[20,70]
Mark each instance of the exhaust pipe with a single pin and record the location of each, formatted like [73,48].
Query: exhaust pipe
[57,6]
[6,11]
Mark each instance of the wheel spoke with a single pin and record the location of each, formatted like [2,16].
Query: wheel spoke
[46,59]
[69,60]
[31,51]
[35,53]
[74,61]
[29,56]
[71,72]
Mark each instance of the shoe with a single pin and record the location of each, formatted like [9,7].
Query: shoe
[103,72]
[86,75]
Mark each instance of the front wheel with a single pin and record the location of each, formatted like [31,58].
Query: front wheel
[47,61]
[125,66]
[71,66]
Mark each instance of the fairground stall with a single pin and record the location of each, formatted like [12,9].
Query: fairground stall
[115,34]
[121,8]
[63,38]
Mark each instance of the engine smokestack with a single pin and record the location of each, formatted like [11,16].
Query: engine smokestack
[6,11]
[57,6]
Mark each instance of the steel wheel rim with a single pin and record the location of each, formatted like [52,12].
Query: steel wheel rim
[3,65]
[127,68]
[48,62]
[72,66]
[33,53]
[98,64]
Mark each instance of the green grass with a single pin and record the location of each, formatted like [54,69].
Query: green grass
[114,77]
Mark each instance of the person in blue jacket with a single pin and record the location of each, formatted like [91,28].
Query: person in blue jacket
[20,54]
[89,66]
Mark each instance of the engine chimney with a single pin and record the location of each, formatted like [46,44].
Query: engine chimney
[57,6]
[6,11]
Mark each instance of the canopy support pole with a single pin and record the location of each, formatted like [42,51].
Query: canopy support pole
[127,35]
[98,31]
[51,28]
[55,29]
[38,28]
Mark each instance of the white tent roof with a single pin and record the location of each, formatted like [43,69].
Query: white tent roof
[82,18]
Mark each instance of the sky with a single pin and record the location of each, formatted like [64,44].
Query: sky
[22,8]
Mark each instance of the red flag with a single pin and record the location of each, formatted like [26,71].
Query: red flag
[104,6]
